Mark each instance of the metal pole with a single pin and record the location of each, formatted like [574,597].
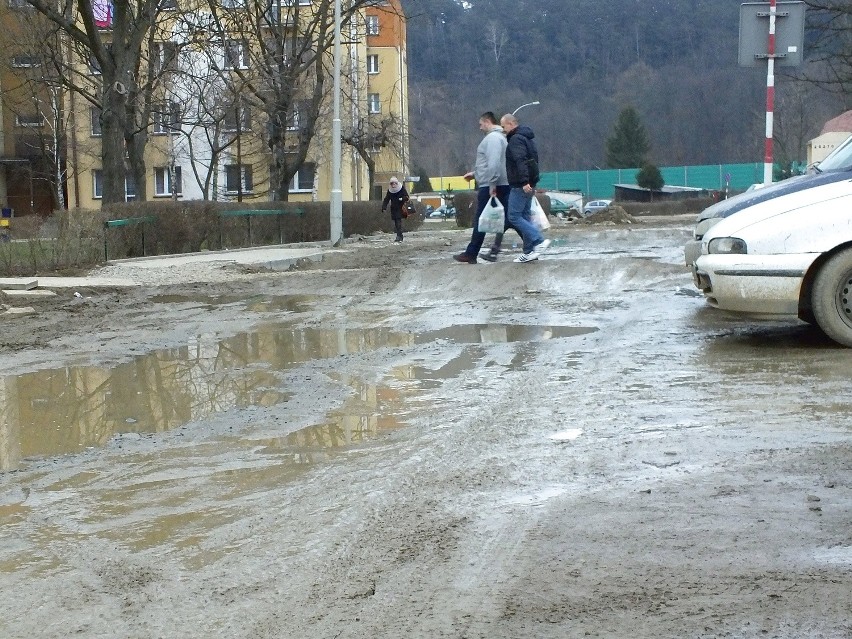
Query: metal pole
[336,213]
[770,94]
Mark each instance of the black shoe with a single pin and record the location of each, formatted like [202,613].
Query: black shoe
[464,257]
[489,257]
[399,239]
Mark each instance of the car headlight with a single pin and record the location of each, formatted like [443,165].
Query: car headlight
[727,246]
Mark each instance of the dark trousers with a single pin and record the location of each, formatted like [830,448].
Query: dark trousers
[483,194]
[397,225]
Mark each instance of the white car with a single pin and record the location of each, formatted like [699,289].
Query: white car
[788,256]
[836,167]
[595,205]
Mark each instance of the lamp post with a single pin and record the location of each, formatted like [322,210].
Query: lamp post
[336,212]
[525,105]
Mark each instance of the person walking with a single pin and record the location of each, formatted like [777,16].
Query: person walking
[489,172]
[397,197]
[522,173]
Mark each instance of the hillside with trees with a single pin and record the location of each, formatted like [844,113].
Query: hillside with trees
[585,61]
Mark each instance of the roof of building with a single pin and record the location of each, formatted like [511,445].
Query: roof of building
[841,124]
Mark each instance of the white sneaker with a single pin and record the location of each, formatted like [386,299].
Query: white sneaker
[532,256]
[541,248]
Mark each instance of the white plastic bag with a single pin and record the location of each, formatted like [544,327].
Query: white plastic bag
[537,215]
[493,217]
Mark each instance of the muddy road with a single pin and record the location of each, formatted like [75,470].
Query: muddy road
[390,444]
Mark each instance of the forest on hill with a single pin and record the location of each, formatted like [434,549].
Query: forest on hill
[676,62]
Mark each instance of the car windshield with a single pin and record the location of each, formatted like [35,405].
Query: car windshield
[839,158]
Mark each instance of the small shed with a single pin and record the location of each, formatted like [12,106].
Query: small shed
[634,193]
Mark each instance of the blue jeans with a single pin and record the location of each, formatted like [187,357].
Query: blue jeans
[519,217]
[483,195]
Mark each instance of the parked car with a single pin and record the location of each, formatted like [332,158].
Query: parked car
[787,256]
[565,204]
[595,205]
[836,167]
[443,212]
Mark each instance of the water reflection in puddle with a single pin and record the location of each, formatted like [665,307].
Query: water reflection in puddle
[55,412]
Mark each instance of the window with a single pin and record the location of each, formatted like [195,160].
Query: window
[294,121]
[236,54]
[304,178]
[301,3]
[164,56]
[94,65]
[232,4]
[233,175]
[372,63]
[166,118]
[163,181]
[372,25]
[29,119]
[237,118]
[129,189]
[168,4]
[26,60]
[98,186]
[20,4]
[374,104]
[95,116]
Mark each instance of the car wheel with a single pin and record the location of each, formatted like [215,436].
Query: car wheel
[832,298]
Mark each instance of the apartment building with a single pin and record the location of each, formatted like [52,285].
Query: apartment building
[387,92]
[210,131]
[30,131]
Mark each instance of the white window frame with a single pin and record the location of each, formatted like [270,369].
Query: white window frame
[240,48]
[374,103]
[97,184]
[309,171]
[245,169]
[166,123]
[373,63]
[372,25]
[301,3]
[163,51]
[95,121]
[241,118]
[28,123]
[163,181]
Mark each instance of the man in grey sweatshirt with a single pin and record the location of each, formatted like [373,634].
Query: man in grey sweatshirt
[490,174]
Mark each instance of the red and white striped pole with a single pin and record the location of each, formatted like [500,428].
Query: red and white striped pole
[770,94]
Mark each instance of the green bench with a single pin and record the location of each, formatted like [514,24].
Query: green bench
[250,213]
[130,221]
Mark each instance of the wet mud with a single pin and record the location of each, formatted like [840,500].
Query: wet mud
[390,444]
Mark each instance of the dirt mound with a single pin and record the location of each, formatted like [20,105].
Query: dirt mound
[611,215]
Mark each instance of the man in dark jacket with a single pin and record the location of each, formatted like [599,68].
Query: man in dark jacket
[521,171]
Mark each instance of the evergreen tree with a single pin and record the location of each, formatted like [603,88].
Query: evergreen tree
[628,144]
[649,177]
[425,184]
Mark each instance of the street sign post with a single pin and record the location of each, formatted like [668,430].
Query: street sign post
[785,24]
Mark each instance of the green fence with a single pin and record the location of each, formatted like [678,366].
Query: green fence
[601,183]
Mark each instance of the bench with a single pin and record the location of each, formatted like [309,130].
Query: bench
[250,213]
[130,221]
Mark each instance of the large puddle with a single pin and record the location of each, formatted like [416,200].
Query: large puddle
[67,410]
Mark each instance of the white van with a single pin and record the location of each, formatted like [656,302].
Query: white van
[788,254]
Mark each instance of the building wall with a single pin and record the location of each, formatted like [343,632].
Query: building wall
[391,83]
[821,146]
[161,150]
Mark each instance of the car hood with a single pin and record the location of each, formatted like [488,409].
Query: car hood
[807,202]
[779,189]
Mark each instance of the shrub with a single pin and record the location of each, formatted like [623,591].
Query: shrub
[81,239]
